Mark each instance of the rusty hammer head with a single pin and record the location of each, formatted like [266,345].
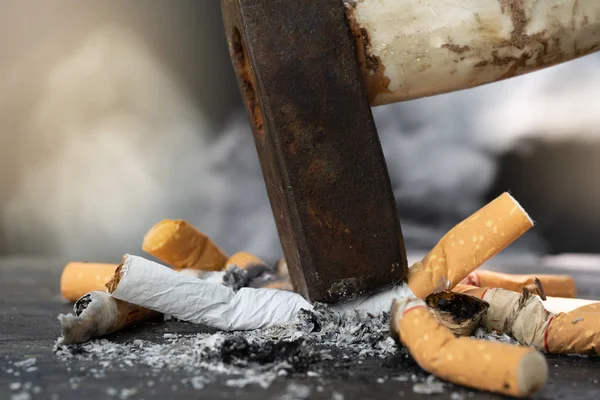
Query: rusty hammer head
[318,146]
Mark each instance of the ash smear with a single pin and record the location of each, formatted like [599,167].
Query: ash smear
[246,358]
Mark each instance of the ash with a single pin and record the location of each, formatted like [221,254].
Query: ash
[244,358]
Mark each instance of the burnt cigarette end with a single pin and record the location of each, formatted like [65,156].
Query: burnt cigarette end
[461,313]
[114,281]
[82,304]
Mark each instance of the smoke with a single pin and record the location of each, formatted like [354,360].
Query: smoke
[115,145]
[111,141]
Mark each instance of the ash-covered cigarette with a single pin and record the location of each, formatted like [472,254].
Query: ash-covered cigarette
[97,314]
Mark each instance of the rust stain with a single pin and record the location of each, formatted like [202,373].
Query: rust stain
[373,69]
[456,48]
[246,78]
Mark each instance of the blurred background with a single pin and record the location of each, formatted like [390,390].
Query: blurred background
[116,114]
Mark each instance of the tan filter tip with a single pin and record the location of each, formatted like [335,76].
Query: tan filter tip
[532,372]
[181,245]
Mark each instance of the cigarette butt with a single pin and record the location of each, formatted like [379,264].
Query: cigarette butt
[97,314]
[554,285]
[79,278]
[575,332]
[180,245]
[244,260]
[517,371]
[257,273]
[468,245]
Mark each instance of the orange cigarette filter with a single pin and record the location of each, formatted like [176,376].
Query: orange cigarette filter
[179,244]
[554,285]
[517,371]
[468,245]
[79,278]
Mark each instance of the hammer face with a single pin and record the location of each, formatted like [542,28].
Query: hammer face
[318,146]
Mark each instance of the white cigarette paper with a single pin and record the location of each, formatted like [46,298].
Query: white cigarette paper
[158,288]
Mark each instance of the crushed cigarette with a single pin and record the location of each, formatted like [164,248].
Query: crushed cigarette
[468,245]
[492,366]
[179,244]
[138,281]
[97,314]
[526,319]
[79,278]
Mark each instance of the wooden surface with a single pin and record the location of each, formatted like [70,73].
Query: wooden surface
[30,302]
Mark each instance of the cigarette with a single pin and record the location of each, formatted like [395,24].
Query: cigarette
[468,245]
[525,318]
[179,244]
[156,287]
[253,272]
[517,371]
[554,285]
[79,278]
[97,314]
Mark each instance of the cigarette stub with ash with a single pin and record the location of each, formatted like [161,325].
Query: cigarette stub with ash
[79,278]
[554,285]
[492,366]
[180,245]
[97,314]
[246,270]
[468,245]
[524,317]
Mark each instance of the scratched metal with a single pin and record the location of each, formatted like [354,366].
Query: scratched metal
[327,180]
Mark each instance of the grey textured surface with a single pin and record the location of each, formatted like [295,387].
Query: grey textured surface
[30,302]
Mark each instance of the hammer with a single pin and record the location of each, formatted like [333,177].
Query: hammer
[309,72]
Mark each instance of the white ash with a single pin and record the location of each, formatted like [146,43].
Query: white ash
[295,391]
[430,386]
[481,333]
[30,362]
[244,358]
[337,396]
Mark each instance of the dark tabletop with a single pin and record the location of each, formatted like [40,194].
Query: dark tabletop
[30,302]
